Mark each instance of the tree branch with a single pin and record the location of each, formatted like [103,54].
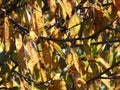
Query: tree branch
[105,71]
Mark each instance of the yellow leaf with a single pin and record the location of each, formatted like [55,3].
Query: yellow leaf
[62,6]
[106,82]
[69,59]
[6,34]
[76,62]
[46,54]
[37,21]
[68,7]
[103,62]
[24,85]
[18,41]
[57,85]
[74,25]
[52,4]
[33,58]
[58,49]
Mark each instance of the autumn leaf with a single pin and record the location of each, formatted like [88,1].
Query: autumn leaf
[58,49]
[76,63]
[46,54]
[6,34]
[52,5]
[31,55]
[74,25]
[68,7]
[61,4]
[116,4]
[57,84]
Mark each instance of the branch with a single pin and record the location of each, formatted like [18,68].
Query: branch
[105,71]
[22,28]
[97,43]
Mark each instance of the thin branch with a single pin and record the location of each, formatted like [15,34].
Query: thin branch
[26,78]
[97,43]
[105,71]
[22,28]
[112,77]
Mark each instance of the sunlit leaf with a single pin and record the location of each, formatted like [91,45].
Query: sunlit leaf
[6,34]
[18,41]
[58,49]
[46,54]
[103,62]
[106,82]
[74,25]
[57,84]
[52,5]
[64,14]
[68,7]
[76,62]
[33,58]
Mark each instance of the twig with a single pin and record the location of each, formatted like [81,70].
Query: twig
[105,71]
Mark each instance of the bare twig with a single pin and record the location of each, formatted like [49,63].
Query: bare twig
[105,71]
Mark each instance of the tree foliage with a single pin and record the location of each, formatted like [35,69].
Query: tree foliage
[59,44]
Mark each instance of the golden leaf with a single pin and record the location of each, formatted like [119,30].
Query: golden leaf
[24,85]
[6,34]
[74,25]
[37,21]
[106,81]
[33,58]
[58,49]
[57,85]
[18,41]
[46,54]
[69,59]
[76,62]
[103,62]
[68,7]
[62,6]
[52,4]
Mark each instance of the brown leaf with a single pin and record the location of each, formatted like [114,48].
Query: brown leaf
[117,4]
[46,54]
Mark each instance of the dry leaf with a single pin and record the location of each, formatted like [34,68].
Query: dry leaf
[117,4]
